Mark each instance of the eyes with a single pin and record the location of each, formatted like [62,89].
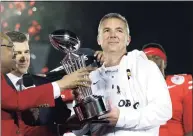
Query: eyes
[154,58]
[120,30]
[157,58]
[106,30]
[20,52]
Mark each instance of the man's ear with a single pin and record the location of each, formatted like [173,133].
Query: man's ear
[165,64]
[128,40]
[98,40]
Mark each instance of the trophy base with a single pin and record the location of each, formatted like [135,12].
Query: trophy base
[90,108]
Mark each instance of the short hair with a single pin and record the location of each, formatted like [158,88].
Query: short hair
[114,15]
[16,36]
[154,45]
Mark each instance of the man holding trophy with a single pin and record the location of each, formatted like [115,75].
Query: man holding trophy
[124,98]
[134,92]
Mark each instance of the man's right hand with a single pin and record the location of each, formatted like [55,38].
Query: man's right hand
[75,79]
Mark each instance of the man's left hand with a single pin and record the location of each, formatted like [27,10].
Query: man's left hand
[112,116]
[100,56]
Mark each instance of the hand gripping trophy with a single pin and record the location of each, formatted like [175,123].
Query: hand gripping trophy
[91,106]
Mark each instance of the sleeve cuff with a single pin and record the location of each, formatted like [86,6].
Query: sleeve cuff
[56,89]
[67,95]
[128,118]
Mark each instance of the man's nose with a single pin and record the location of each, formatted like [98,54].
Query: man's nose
[112,34]
[22,59]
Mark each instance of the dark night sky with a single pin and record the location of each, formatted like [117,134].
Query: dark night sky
[168,23]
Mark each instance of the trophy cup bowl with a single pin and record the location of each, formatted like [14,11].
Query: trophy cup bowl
[91,106]
[64,40]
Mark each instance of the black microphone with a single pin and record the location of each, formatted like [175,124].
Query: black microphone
[90,59]
[59,72]
[27,80]
[30,80]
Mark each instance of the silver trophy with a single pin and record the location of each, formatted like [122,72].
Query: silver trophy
[91,106]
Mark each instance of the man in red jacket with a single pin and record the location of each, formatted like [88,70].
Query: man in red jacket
[180,88]
[11,100]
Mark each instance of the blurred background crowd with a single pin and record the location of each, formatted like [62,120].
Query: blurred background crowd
[167,23]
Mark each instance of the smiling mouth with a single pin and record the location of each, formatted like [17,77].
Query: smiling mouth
[23,65]
[113,42]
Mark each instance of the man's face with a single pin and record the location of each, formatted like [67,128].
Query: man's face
[113,35]
[159,61]
[6,53]
[21,56]
[6,59]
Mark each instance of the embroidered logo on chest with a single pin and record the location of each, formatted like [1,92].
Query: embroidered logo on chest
[178,80]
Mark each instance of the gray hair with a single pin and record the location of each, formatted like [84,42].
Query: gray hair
[114,15]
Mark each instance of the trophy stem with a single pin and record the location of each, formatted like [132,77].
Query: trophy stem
[83,64]
[72,63]
[66,68]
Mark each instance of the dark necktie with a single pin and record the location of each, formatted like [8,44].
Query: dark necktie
[20,83]
[35,111]
[18,113]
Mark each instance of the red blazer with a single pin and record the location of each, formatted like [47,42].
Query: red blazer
[16,101]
